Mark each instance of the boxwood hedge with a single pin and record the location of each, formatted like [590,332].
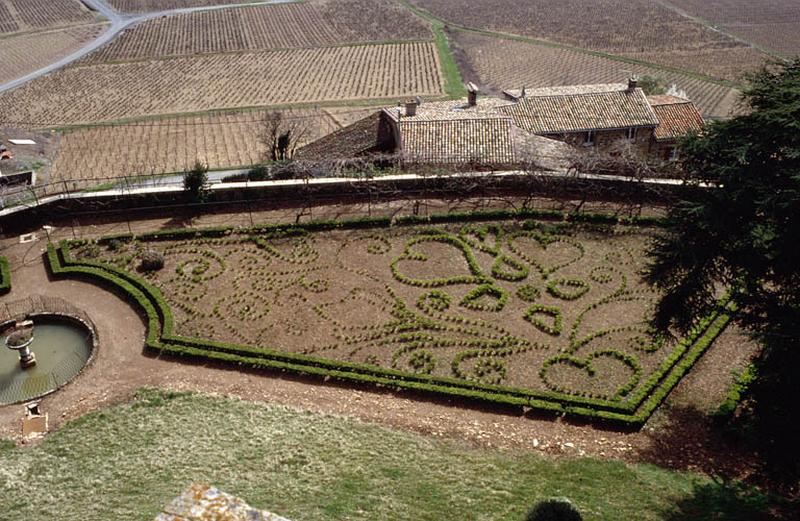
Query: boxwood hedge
[152,304]
[5,276]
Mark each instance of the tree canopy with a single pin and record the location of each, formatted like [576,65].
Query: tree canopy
[740,228]
[195,181]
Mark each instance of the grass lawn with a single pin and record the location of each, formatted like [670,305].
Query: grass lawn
[128,461]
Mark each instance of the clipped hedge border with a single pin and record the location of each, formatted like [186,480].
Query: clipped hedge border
[160,338]
[383,222]
[5,276]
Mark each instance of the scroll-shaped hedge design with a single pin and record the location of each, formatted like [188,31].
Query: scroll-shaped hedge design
[481,332]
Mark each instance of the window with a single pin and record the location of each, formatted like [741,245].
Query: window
[630,134]
[673,154]
[588,138]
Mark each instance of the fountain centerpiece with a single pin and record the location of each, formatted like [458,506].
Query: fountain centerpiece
[19,339]
[62,336]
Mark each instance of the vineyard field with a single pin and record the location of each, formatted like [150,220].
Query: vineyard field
[143,6]
[30,15]
[774,24]
[626,27]
[283,26]
[170,145]
[727,64]
[193,84]
[28,52]
[7,23]
[345,116]
[503,64]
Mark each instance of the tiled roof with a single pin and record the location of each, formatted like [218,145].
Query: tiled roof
[452,110]
[567,89]
[567,111]
[665,99]
[364,137]
[677,117]
[457,141]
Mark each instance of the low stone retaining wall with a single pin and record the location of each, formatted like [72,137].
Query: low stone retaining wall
[202,502]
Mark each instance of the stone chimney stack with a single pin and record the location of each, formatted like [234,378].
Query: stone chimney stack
[411,108]
[633,82]
[472,95]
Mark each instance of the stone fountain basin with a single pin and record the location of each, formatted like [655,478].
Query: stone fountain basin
[63,346]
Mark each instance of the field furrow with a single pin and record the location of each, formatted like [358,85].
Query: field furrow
[25,53]
[280,26]
[112,92]
[773,24]
[642,28]
[143,6]
[7,22]
[27,15]
[146,148]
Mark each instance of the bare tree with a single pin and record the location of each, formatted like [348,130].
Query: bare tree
[282,135]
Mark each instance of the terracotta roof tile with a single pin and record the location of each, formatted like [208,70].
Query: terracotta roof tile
[594,88]
[677,117]
[665,99]
[452,110]
[364,137]
[578,112]
[480,140]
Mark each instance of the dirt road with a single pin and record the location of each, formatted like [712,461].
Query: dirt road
[119,22]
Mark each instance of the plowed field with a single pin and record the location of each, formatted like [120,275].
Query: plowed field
[774,24]
[142,6]
[170,145]
[180,85]
[28,15]
[505,64]
[628,27]
[20,55]
[285,26]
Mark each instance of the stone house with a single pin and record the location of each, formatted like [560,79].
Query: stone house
[676,118]
[539,125]
[451,134]
[601,116]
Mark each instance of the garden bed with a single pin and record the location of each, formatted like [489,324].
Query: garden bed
[547,314]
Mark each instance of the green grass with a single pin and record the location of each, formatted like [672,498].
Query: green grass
[5,275]
[454,83]
[128,461]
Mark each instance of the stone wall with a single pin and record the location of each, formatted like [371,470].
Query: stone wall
[604,140]
[202,502]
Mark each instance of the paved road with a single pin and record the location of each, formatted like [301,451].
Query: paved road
[214,177]
[119,22]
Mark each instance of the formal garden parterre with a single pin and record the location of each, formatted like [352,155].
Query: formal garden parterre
[530,312]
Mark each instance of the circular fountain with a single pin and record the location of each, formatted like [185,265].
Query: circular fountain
[20,338]
[43,351]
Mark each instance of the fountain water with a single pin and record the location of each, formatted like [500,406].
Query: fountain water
[44,352]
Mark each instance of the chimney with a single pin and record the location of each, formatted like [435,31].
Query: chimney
[472,94]
[411,108]
[633,82]
[522,93]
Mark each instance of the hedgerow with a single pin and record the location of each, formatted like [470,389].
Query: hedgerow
[736,393]
[5,276]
